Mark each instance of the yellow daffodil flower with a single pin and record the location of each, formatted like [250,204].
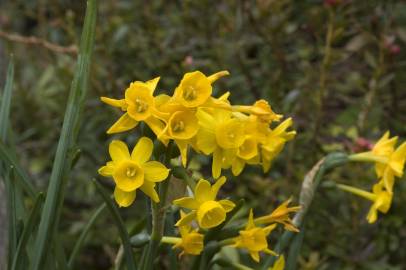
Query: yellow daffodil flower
[381,199]
[220,134]
[195,88]
[274,143]
[260,109]
[138,104]
[246,153]
[279,264]
[281,215]
[254,239]
[191,241]
[394,167]
[132,172]
[205,208]
[389,162]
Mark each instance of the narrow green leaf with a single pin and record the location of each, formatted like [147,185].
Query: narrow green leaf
[294,250]
[6,101]
[22,176]
[79,243]
[11,216]
[27,232]
[125,238]
[65,150]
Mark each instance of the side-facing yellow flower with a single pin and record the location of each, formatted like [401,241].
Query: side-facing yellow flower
[389,162]
[381,199]
[274,142]
[394,167]
[191,242]
[221,134]
[135,171]
[281,215]
[254,239]
[279,264]
[195,88]
[205,208]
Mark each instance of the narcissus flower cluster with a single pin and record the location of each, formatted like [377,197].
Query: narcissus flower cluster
[389,163]
[235,135]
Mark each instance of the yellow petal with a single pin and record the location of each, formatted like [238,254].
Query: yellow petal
[124,123]
[149,189]
[206,141]
[124,199]
[214,77]
[120,103]
[238,166]
[254,255]
[187,202]
[250,223]
[143,150]
[203,191]
[279,264]
[118,151]
[182,145]
[107,170]
[152,84]
[216,187]
[217,163]
[227,205]
[155,171]
[186,219]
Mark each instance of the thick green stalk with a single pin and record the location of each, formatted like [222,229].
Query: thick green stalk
[158,217]
[65,149]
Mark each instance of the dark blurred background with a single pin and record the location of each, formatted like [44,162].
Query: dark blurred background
[337,67]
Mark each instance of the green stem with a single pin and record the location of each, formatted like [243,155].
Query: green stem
[82,237]
[170,240]
[158,217]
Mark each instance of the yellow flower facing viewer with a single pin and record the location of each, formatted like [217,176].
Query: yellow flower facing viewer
[195,88]
[133,171]
[205,208]
[254,239]
[138,105]
[281,215]
[380,198]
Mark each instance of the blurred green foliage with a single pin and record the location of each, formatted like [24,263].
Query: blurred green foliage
[274,49]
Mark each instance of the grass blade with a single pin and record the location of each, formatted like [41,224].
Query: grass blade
[125,238]
[64,152]
[11,216]
[6,101]
[10,161]
[27,232]
[82,237]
